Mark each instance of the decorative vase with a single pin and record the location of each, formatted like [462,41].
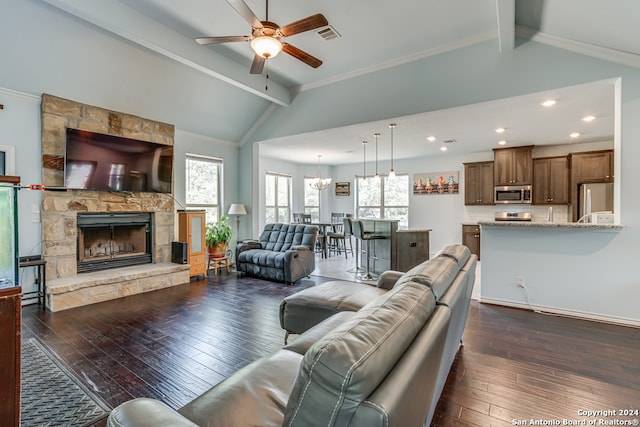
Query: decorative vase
[218,251]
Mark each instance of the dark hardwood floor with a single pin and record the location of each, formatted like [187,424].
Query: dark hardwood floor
[174,344]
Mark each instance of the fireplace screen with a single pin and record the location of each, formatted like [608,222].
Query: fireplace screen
[113,240]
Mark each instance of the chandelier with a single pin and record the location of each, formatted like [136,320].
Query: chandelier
[319,183]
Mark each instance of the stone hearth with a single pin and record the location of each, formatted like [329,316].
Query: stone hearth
[65,287]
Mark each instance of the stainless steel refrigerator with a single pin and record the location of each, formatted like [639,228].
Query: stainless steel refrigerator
[596,197]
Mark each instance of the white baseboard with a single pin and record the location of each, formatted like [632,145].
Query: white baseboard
[564,312]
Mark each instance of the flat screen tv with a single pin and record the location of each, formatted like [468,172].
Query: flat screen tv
[95,161]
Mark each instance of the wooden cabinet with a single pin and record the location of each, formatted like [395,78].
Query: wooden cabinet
[10,323]
[513,166]
[191,229]
[588,167]
[593,166]
[478,183]
[412,248]
[471,238]
[551,180]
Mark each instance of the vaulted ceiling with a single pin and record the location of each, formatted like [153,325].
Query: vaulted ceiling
[377,34]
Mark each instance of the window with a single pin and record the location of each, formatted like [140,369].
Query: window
[384,198]
[311,200]
[204,176]
[277,198]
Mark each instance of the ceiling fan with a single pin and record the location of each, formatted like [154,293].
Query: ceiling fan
[265,36]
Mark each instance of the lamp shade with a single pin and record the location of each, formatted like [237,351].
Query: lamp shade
[265,46]
[237,209]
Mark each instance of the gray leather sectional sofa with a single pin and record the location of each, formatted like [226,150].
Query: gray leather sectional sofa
[379,365]
[283,253]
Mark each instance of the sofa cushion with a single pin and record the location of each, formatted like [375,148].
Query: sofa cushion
[146,412]
[459,253]
[304,309]
[282,237]
[436,273]
[302,342]
[341,369]
[263,258]
[256,395]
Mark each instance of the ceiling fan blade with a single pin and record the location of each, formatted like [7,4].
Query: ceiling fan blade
[246,13]
[224,39]
[257,64]
[309,23]
[300,54]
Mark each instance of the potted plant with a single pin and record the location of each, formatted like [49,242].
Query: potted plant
[217,237]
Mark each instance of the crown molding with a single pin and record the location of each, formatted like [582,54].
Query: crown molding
[612,55]
[457,44]
[203,138]
[20,95]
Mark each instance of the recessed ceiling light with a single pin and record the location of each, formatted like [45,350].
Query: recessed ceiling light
[500,130]
[503,142]
[588,118]
[431,138]
[575,134]
[443,148]
[549,103]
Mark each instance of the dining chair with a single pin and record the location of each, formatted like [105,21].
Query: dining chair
[338,240]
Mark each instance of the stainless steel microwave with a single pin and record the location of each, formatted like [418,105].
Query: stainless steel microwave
[512,194]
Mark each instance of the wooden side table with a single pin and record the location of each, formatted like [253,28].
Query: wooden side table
[216,263]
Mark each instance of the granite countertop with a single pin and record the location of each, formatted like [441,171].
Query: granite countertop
[534,224]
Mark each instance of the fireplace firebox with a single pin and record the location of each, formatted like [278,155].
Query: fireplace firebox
[112,240]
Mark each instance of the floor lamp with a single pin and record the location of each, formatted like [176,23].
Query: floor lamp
[237,209]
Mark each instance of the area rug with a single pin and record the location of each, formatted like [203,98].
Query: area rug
[51,395]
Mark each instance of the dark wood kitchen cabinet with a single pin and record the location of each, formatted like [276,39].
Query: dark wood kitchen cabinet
[478,183]
[588,167]
[592,166]
[513,166]
[551,181]
[471,238]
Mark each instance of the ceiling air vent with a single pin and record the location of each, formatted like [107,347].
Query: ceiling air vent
[329,33]
[449,141]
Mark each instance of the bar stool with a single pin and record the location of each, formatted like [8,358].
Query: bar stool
[343,236]
[360,234]
[358,253]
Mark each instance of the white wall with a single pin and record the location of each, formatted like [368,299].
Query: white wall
[191,143]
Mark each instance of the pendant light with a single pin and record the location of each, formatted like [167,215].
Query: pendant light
[364,160]
[377,135]
[319,183]
[392,173]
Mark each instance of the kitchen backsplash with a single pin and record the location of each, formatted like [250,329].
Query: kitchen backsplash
[539,213]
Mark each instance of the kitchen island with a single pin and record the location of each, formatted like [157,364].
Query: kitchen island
[558,268]
[399,249]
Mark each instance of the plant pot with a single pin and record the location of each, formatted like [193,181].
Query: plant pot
[217,251]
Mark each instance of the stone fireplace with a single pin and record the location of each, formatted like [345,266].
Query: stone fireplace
[75,253]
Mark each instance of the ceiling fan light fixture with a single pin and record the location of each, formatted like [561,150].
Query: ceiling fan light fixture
[266,47]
